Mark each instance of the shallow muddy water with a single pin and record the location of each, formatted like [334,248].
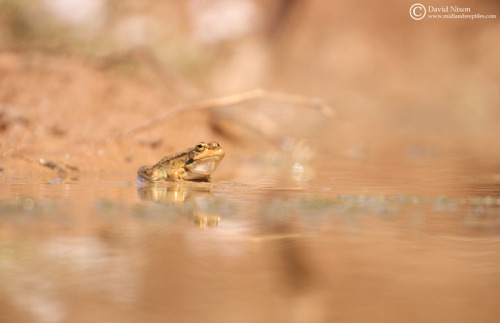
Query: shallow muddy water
[326,250]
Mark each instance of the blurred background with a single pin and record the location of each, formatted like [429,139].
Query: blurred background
[364,186]
[77,74]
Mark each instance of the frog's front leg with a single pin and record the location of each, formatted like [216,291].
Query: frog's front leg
[177,174]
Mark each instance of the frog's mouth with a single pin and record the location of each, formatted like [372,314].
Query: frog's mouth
[205,166]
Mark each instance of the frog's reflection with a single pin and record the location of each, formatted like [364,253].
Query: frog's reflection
[196,200]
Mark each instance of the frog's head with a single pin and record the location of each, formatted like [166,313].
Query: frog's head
[205,158]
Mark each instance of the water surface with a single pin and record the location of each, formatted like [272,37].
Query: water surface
[337,248]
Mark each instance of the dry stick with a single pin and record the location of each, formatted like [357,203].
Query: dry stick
[232,100]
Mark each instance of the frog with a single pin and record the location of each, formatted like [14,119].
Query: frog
[193,164]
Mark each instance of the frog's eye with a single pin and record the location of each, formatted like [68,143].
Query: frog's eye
[215,144]
[200,147]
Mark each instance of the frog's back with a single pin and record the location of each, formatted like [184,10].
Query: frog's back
[173,161]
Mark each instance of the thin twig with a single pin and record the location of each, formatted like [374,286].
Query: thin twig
[232,100]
